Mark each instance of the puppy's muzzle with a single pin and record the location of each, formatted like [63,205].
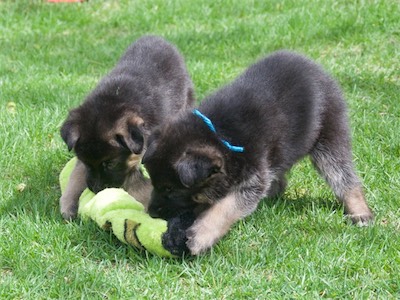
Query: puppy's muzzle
[166,208]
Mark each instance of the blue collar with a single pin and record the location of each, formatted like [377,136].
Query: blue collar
[210,125]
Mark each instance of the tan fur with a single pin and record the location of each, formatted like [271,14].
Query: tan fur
[281,109]
[70,198]
[140,190]
[129,118]
[133,161]
[121,127]
[201,198]
[356,207]
[213,224]
[135,184]
[207,151]
[116,117]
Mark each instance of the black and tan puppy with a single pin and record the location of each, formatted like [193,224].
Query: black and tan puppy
[109,130]
[221,159]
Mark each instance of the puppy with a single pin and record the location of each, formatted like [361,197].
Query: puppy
[109,130]
[220,160]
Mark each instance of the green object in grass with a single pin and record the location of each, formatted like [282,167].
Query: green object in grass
[114,209]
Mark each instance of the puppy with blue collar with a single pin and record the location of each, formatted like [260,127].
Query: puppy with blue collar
[220,160]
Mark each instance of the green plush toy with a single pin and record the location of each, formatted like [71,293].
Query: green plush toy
[114,209]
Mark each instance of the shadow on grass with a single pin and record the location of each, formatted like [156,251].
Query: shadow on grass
[300,205]
[36,192]
[37,207]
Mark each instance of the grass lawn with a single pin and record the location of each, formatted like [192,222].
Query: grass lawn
[297,247]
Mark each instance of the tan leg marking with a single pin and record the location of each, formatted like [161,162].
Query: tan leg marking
[213,224]
[135,184]
[356,207]
[69,200]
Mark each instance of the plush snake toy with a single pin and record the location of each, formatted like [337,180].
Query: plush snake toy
[114,209]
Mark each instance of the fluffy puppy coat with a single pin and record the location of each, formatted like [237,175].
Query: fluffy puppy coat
[280,109]
[108,132]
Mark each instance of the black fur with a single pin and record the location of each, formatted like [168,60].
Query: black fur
[174,239]
[281,109]
[149,82]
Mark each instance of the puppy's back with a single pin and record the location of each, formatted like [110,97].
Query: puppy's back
[151,74]
[284,78]
[150,54]
[284,92]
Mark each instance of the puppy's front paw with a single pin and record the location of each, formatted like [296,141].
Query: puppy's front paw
[362,219]
[69,211]
[174,239]
[199,239]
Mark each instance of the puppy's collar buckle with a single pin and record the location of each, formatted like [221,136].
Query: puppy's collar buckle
[210,125]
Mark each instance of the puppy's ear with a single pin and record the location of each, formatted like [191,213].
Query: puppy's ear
[197,166]
[132,139]
[70,132]
[131,132]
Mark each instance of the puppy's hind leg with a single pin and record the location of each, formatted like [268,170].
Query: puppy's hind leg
[69,200]
[332,158]
[277,187]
